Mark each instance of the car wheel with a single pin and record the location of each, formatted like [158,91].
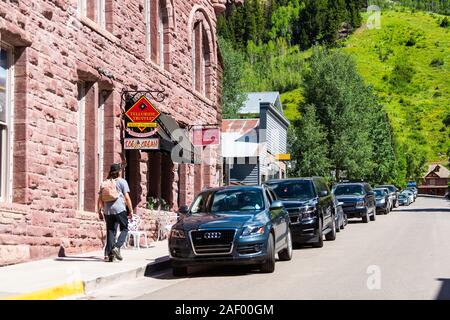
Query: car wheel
[396,204]
[319,243]
[365,219]
[286,254]
[331,236]
[179,271]
[373,217]
[269,265]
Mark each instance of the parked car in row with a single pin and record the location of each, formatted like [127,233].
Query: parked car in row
[311,208]
[409,194]
[404,200]
[250,225]
[393,193]
[340,215]
[231,225]
[383,201]
[358,200]
[414,190]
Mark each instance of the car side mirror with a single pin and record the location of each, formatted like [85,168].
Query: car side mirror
[184,210]
[276,205]
[323,193]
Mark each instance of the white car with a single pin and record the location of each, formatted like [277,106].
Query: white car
[409,194]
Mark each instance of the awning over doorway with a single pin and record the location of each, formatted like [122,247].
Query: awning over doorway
[175,138]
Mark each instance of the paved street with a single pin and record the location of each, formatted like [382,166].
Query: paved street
[402,255]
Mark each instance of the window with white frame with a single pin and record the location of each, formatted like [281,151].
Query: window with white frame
[101,13]
[148,38]
[81,142]
[94,10]
[101,135]
[161,33]
[6,129]
[201,59]
[82,8]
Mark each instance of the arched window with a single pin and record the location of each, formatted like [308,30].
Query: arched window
[201,55]
[158,14]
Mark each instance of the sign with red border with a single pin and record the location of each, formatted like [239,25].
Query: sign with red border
[206,136]
[143,112]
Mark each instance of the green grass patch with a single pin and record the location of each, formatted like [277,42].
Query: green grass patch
[407,61]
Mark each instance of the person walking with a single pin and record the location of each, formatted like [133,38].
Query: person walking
[113,200]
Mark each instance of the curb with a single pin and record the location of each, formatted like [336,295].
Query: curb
[78,288]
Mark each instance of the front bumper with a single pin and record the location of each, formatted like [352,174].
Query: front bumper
[248,251]
[355,212]
[306,231]
[381,206]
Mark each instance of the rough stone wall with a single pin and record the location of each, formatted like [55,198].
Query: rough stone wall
[56,50]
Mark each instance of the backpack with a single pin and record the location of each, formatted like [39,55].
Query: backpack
[109,191]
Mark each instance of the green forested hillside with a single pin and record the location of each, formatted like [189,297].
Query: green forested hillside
[405,63]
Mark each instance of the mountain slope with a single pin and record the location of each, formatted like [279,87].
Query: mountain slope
[407,61]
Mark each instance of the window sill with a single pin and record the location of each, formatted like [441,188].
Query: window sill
[13,207]
[159,68]
[97,28]
[202,97]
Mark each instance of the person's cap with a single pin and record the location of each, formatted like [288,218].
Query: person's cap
[115,167]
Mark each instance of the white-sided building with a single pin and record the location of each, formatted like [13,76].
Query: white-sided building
[252,145]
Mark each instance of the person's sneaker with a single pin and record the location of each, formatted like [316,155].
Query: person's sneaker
[110,258]
[116,253]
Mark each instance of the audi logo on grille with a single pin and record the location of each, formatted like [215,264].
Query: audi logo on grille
[212,235]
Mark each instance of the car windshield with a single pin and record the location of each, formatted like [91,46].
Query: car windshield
[390,188]
[354,190]
[298,190]
[378,193]
[237,201]
[228,201]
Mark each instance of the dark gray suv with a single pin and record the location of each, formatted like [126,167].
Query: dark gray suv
[311,208]
[358,200]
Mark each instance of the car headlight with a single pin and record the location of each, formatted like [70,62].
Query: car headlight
[253,230]
[307,212]
[178,234]
[382,200]
[360,204]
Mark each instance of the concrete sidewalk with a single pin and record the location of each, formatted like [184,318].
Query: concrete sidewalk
[77,275]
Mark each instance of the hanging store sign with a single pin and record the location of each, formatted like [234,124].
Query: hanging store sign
[141,126]
[142,144]
[142,114]
[206,136]
[142,135]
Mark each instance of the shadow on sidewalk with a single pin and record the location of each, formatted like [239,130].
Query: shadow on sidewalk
[444,292]
[425,210]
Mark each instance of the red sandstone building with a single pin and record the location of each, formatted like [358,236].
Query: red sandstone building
[64,65]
